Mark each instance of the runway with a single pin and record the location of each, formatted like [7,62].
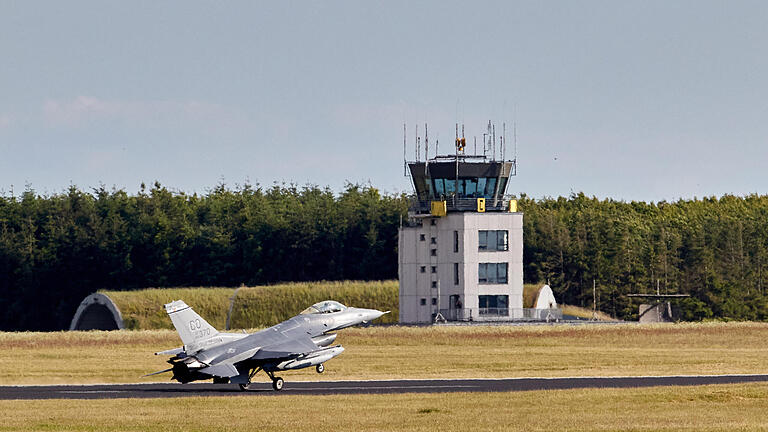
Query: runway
[162,390]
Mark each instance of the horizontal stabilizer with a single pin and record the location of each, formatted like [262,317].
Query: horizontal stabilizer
[221,370]
[158,372]
[171,351]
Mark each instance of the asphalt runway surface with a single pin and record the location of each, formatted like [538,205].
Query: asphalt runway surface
[162,390]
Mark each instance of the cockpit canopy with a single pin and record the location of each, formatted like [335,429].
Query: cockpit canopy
[327,306]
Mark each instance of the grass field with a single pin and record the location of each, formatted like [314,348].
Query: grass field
[707,408]
[419,352]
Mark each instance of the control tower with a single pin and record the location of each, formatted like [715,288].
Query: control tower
[461,249]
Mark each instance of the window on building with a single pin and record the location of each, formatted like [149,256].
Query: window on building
[422,237]
[423,269]
[439,187]
[455,241]
[495,305]
[433,252]
[433,240]
[423,302]
[466,187]
[455,273]
[434,284]
[433,222]
[434,269]
[434,301]
[492,273]
[493,240]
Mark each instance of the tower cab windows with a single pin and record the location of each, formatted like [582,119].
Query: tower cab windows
[466,187]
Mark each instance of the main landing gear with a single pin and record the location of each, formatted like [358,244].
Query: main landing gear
[320,368]
[277,382]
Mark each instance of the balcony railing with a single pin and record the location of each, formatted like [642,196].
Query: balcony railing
[455,203]
[502,314]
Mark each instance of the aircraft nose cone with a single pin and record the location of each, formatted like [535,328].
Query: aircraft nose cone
[372,314]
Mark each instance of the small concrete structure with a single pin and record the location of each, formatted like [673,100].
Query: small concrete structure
[657,313]
[661,310]
[97,312]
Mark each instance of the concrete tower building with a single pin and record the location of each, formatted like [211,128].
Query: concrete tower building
[461,249]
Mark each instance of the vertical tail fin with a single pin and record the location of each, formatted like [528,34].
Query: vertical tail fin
[192,327]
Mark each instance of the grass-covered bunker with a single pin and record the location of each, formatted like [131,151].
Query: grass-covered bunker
[229,308]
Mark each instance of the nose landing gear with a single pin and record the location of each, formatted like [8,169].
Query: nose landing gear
[320,368]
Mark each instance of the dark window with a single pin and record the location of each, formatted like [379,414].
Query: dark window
[450,186]
[490,187]
[492,273]
[434,284]
[423,302]
[455,241]
[434,269]
[423,269]
[433,222]
[455,273]
[422,237]
[481,187]
[497,305]
[433,240]
[433,252]
[467,187]
[493,240]
[434,301]
[439,187]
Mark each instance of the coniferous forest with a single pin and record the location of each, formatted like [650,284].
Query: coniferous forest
[55,250]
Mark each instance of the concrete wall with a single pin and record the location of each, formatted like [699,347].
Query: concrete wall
[659,312]
[415,253]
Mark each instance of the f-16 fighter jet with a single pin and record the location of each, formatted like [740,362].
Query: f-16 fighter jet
[297,343]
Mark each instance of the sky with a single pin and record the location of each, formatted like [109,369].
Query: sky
[628,100]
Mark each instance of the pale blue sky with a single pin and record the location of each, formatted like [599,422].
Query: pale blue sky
[644,100]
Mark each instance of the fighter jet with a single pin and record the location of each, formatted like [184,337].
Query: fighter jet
[297,343]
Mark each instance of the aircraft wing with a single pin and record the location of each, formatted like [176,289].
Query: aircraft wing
[286,348]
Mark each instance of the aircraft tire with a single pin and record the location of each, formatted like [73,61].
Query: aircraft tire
[220,380]
[277,384]
[320,368]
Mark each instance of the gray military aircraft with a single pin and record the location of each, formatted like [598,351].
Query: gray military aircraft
[297,343]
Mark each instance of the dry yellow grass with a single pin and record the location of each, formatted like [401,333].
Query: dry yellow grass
[585,313]
[419,352]
[708,408]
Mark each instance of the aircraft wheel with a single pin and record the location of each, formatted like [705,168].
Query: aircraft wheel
[220,380]
[277,383]
[320,368]
[243,387]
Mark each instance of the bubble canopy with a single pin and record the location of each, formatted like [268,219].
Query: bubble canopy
[328,306]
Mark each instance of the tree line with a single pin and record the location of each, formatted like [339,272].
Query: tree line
[56,249]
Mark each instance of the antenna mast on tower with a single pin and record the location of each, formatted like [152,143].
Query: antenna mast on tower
[503,138]
[405,163]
